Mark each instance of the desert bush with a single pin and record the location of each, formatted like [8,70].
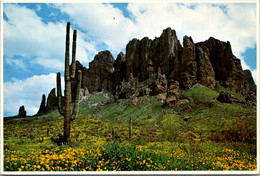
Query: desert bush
[236,131]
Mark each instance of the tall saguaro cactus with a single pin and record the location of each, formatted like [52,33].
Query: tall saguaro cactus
[66,111]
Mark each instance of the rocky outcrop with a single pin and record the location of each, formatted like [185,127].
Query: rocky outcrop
[251,98]
[84,93]
[227,68]
[127,89]
[42,108]
[205,71]
[52,101]
[250,80]
[99,75]
[119,73]
[160,88]
[143,57]
[22,112]
[207,63]
[188,72]
[167,53]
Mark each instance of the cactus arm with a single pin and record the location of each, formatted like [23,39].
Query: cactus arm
[76,104]
[67,54]
[73,64]
[60,107]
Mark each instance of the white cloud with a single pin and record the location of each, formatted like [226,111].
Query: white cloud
[201,22]
[16,63]
[236,22]
[27,92]
[47,63]
[26,35]
[103,23]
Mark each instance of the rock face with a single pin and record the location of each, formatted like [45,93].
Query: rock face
[160,88]
[251,98]
[42,108]
[119,73]
[144,57]
[250,80]
[188,73]
[205,71]
[207,63]
[84,93]
[100,73]
[52,101]
[173,98]
[22,112]
[127,89]
[172,94]
[227,68]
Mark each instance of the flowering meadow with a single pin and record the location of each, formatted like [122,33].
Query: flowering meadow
[100,141]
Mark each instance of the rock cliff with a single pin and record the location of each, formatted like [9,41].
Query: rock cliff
[208,63]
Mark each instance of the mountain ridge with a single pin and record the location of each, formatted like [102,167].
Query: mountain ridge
[209,63]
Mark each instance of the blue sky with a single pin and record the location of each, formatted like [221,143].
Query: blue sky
[34,41]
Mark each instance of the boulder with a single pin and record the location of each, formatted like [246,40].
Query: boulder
[187,118]
[224,97]
[188,108]
[173,98]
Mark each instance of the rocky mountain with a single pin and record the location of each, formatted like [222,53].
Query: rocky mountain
[172,65]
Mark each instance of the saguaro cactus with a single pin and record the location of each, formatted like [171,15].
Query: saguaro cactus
[130,128]
[66,112]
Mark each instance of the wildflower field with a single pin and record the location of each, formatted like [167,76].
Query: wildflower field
[218,137]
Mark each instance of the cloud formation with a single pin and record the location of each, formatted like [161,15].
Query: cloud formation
[27,92]
[103,26]
[103,23]
[107,24]
[27,36]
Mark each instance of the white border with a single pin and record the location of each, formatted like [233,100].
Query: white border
[129,172]
[1,92]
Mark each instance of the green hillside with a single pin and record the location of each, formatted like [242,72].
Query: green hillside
[203,134]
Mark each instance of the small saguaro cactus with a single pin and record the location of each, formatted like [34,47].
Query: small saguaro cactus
[66,112]
[130,129]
